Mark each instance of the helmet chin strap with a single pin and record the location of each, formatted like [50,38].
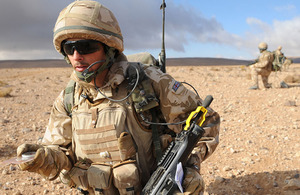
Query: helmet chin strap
[88,75]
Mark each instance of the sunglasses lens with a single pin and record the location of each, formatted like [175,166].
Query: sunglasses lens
[82,47]
[68,49]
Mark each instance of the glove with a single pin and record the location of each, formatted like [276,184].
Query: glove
[126,146]
[27,148]
[193,183]
[48,161]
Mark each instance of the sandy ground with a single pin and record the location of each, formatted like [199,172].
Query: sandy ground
[259,150]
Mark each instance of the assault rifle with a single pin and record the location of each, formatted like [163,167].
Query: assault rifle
[255,61]
[162,181]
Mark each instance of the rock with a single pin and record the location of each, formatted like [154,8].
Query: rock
[12,168]
[26,130]
[226,168]
[293,184]
[219,180]
[290,103]
[258,187]
[5,172]
[4,121]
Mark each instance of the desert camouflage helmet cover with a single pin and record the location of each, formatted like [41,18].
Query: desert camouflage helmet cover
[87,20]
[263,45]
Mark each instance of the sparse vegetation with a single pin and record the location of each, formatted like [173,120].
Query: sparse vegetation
[215,69]
[243,68]
[4,89]
[2,83]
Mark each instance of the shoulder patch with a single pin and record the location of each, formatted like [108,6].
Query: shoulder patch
[176,86]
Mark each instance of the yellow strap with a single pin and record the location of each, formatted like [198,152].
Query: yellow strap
[193,114]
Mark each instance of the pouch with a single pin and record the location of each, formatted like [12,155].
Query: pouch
[100,178]
[126,178]
[79,177]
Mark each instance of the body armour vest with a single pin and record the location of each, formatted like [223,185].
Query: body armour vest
[98,122]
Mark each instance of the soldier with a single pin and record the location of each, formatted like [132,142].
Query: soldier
[279,59]
[263,67]
[287,63]
[103,144]
[279,54]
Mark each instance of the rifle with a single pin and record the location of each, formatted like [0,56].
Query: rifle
[162,54]
[162,181]
[255,61]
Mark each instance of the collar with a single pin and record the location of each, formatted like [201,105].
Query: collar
[115,76]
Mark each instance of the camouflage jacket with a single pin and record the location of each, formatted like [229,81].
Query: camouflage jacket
[99,114]
[265,60]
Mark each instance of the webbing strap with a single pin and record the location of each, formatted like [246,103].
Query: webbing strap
[155,137]
[69,97]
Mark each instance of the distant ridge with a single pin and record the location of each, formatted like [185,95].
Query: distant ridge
[205,61]
[170,62]
[33,63]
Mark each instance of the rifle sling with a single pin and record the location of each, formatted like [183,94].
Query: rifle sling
[155,137]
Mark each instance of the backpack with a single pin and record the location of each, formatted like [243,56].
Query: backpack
[278,61]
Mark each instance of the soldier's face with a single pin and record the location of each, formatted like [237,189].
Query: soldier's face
[81,57]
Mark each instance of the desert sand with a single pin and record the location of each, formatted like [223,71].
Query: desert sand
[259,150]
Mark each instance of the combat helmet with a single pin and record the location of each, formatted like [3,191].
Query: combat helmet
[89,20]
[279,47]
[262,46]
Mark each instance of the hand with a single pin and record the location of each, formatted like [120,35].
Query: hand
[47,161]
[27,148]
[41,158]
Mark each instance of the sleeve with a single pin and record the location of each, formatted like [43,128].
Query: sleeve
[59,129]
[176,103]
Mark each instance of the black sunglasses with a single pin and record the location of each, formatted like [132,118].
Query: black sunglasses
[82,46]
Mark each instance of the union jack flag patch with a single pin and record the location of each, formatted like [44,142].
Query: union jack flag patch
[176,86]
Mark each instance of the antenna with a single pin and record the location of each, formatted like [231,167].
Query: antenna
[162,54]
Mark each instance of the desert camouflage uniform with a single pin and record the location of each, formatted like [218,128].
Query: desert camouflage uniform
[97,123]
[278,56]
[287,63]
[263,67]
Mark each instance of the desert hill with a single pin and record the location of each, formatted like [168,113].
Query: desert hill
[170,62]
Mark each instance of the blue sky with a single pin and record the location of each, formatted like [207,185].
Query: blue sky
[252,21]
[194,28]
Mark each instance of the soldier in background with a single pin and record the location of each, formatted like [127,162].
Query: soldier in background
[279,59]
[102,144]
[287,63]
[262,67]
[279,56]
